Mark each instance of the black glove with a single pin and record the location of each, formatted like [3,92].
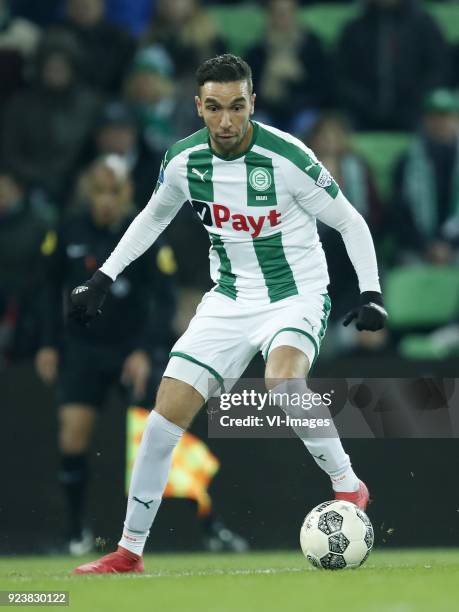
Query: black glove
[371,314]
[87,299]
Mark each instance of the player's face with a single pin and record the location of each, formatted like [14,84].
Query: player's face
[109,196]
[226,109]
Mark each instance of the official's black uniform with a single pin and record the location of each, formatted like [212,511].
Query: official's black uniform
[137,312]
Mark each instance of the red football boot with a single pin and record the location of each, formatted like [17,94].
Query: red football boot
[360,497]
[121,561]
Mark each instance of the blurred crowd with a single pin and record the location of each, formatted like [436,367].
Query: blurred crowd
[85,79]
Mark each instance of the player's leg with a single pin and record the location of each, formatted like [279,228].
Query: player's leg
[286,374]
[214,347]
[291,345]
[176,405]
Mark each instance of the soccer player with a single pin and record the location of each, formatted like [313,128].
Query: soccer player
[258,192]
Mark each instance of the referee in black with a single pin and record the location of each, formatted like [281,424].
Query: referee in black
[128,345]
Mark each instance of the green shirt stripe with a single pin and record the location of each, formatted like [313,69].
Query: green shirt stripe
[199,175]
[275,268]
[198,138]
[227,279]
[261,188]
[289,150]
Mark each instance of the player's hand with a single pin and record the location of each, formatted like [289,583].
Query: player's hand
[46,362]
[136,371]
[370,315]
[87,299]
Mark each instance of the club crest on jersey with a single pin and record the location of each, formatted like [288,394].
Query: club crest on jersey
[219,215]
[260,179]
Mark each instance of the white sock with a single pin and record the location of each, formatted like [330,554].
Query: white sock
[149,479]
[327,452]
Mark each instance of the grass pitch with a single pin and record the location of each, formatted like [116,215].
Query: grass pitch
[391,581]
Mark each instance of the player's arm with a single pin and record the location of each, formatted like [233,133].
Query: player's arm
[166,201]
[339,214]
[319,195]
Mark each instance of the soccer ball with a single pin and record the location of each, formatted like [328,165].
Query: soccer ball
[336,535]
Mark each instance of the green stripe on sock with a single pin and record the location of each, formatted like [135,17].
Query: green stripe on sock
[275,268]
[227,279]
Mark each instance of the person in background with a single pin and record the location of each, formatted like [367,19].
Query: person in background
[88,365]
[290,69]
[19,39]
[117,132]
[47,126]
[107,50]
[25,240]
[331,139]
[386,60]
[426,185]
[187,32]
[151,91]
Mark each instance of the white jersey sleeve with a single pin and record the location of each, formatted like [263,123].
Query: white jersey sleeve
[343,217]
[164,204]
[317,193]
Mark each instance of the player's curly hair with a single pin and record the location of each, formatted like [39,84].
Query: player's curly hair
[224,69]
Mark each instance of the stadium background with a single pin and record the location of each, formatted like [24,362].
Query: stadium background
[263,486]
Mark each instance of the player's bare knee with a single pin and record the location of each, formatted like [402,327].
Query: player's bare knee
[285,363]
[178,402]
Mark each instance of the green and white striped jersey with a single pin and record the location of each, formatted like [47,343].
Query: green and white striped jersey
[260,210]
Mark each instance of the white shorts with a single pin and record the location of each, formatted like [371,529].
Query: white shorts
[225,335]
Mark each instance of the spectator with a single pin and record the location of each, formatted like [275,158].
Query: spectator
[387,59]
[107,50]
[330,139]
[150,89]
[117,133]
[18,41]
[290,69]
[24,239]
[426,190]
[142,298]
[187,32]
[47,126]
